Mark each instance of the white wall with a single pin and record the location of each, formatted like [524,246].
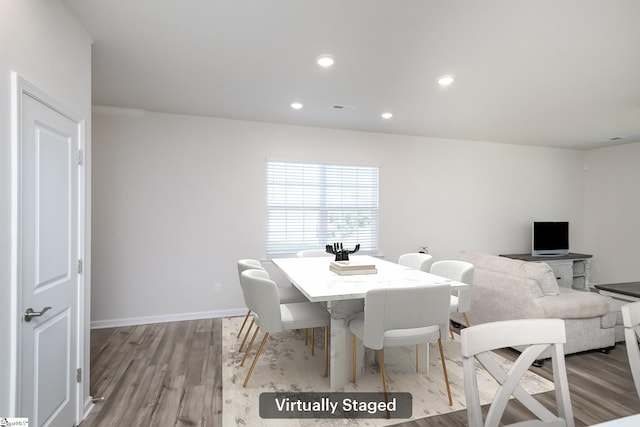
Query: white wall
[178,199]
[42,41]
[612,213]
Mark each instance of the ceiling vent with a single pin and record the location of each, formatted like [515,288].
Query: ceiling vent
[342,107]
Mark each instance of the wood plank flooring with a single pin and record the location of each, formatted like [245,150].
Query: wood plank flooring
[170,374]
[167,374]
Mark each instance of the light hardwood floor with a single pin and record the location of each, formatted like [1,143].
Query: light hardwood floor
[170,374]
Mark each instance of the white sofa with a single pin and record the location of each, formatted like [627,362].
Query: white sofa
[505,289]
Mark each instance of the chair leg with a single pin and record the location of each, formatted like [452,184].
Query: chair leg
[353,358]
[255,359]
[451,332]
[313,341]
[246,353]
[384,381]
[246,335]
[466,319]
[417,358]
[444,369]
[306,337]
[326,351]
[243,323]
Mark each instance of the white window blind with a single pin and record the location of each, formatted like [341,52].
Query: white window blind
[312,205]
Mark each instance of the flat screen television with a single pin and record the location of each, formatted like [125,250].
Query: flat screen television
[549,238]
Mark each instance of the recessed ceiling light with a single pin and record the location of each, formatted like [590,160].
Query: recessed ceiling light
[387,115]
[296,105]
[325,61]
[446,80]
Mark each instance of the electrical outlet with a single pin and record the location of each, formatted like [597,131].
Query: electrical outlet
[217,288]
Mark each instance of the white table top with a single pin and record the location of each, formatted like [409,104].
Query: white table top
[314,279]
[630,421]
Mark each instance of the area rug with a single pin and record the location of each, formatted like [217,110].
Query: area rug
[287,365]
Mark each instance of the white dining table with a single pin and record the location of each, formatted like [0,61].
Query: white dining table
[629,421]
[344,296]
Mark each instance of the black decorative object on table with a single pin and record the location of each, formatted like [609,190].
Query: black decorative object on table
[341,254]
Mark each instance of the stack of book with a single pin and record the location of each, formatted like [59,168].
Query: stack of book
[345,268]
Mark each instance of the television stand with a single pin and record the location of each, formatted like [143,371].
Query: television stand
[571,270]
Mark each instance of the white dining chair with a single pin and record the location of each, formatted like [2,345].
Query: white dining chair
[631,321]
[460,271]
[286,294]
[416,260]
[402,316]
[271,316]
[537,335]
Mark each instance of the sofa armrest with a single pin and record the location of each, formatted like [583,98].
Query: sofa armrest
[571,304]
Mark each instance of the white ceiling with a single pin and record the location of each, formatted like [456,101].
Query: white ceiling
[562,73]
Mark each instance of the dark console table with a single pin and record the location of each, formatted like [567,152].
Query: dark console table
[571,271]
[621,290]
[619,294]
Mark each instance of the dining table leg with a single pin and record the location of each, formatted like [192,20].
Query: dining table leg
[340,347]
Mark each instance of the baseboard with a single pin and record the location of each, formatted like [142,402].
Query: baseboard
[88,406]
[114,323]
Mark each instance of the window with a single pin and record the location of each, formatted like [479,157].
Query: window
[310,206]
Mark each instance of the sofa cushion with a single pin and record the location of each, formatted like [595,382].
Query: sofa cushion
[539,271]
[572,304]
[497,296]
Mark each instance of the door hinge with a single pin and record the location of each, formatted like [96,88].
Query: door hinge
[80,157]
[79,374]
[80,266]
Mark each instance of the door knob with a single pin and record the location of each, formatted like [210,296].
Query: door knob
[30,314]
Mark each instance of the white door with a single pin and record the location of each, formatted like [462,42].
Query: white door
[48,264]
